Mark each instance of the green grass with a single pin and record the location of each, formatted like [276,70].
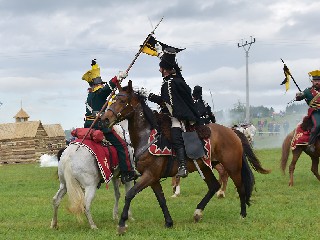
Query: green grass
[277,211]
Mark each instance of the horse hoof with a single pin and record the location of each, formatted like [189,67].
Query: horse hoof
[94,227]
[168,224]
[54,227]
[122,230]
[243,216]
[197,216]
[221,194]
[174,195]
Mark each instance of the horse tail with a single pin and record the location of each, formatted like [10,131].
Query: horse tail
[285,151]
[250,155]
[247,178]
[59,153]
[74,190]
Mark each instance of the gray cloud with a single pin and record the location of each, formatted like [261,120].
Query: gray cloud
[46,46]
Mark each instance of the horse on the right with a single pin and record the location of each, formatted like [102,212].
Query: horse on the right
[296,153]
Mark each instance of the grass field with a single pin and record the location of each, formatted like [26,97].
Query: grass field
[277,211]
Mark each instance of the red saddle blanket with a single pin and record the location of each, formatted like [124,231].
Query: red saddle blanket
[300,137]
[107,157]
[163,148]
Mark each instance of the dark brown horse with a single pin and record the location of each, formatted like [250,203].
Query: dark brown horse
[286,147]
[227,148]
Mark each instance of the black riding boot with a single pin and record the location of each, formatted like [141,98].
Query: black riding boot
[178,146]
[312,140]
[311,147]
[181,157]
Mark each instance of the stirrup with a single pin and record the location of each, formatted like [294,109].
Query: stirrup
[182,172]
[311,148]
[129,176]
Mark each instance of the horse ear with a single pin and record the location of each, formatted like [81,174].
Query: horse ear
[130,86]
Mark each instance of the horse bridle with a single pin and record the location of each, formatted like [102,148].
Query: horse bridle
[119,116]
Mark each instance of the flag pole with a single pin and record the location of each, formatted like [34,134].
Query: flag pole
[211,100]
[142,46]
[292,77]
[113,91]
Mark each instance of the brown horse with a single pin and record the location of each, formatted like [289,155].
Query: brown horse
[286,146]
[227,148]
[223,175]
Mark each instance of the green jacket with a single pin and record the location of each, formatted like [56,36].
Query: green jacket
[94,103]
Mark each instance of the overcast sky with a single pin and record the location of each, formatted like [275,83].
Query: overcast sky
[46,47]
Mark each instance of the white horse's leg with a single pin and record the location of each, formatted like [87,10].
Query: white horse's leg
[56,202]
[90,192]
[116,187]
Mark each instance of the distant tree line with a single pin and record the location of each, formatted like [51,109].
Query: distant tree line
[238,112]
[297,108]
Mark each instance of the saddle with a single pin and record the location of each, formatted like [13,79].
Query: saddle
[94,135]
[162,147]
[300,136]
[161,138]
[302,133]
[306,124]
[105,155]
[192,137]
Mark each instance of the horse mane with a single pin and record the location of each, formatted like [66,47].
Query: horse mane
[145,108]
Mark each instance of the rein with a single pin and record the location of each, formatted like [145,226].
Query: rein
[145,147]
[119,115]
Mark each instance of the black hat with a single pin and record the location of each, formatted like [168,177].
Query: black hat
[197,92]
[168,59]
[93,62]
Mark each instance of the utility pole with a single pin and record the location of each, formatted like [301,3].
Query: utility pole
[246,46]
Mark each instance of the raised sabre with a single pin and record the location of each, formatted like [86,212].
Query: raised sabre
[113,91]
[198,168]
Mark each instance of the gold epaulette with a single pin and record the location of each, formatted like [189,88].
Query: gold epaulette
[90,118]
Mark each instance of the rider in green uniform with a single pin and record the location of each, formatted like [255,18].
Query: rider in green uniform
[312,97]
[98,94]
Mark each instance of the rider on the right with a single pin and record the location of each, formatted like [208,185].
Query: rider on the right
[312,97]
[176,97]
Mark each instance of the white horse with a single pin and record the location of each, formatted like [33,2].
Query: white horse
[79,176]
[249,131]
